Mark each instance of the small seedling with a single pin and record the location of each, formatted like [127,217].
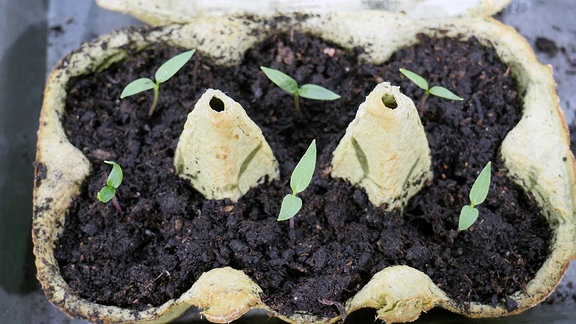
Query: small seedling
[112,183]
[301,177]
[163,74]
[288,84]
[478,193]
[437,91]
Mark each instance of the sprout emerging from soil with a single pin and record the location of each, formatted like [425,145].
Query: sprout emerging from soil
[437,91]
[478,193]
[163,74]
[288,84]
[301,177]
[114,181]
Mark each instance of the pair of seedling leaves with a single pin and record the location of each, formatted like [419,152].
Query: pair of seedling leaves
[163,74]
[114,181]
[302,174]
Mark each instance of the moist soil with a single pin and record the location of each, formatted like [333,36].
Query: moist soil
[168,234]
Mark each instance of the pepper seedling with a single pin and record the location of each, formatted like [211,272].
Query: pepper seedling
[299,181]
[478,193]
[437,91]
[114,181]
[163,74]
[288,84]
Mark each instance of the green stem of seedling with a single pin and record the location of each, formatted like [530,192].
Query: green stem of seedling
[116,204]
[297,104]
[155,101]
[422,102]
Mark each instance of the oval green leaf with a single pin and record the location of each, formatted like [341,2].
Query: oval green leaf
[316,92]
[137,86]
[416,78]
[283,80]
[442,92]
[481,185]
[468,215]
[105,194]
[115,177]
[302,174]
[173,65]
[290,207]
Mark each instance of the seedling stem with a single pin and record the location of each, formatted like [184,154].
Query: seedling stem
[297,104]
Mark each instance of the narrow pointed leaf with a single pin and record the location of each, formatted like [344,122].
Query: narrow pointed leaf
[442,92]
[316,92]
[173,65]
[468,215]
[105,194]
[416,78]
[283,80]
[302,174]
[137,86]
[290,207]
[115,177]
[481,185]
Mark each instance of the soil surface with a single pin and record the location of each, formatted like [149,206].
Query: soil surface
[168,234]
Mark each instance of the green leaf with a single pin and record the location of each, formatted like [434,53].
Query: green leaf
[137,86]
[290,207]
[416,78]
[173,65]
[442,92]
[468,215]
[481,185]
[302,174]
[115,177]
[316,92]
[284,81]
[106,194]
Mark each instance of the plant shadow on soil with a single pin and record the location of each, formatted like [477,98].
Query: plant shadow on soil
[169,235]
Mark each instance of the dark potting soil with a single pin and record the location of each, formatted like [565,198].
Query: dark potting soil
[168,234]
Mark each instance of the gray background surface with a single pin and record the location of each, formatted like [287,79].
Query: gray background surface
[35,34]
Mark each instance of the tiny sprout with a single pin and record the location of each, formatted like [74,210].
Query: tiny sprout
[114,181]
[163,74]
[478,193]
[301,177]
[288,84]
[437,91]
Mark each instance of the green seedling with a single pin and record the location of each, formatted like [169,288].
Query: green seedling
[163,74]
[301,177]
[288,84]
[437,91]
[112,183]
[478,193]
